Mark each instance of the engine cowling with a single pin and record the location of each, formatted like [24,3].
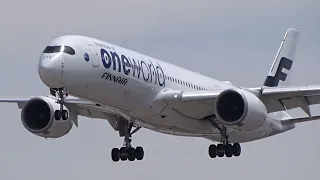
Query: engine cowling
[240,109]
[37,117]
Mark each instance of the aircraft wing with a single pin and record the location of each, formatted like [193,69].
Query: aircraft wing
[200,104]
[80,106]
[285,98]
[191,104]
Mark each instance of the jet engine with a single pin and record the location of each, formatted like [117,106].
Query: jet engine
[39,116]
[240,109]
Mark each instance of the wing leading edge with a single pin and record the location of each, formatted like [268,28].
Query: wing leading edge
[22,100]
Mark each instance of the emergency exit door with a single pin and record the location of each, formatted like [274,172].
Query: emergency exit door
[94,55]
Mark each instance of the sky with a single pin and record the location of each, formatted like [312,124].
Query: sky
[227,40]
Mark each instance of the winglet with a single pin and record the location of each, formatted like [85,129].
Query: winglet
[279,73]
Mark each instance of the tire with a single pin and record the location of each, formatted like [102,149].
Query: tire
[139,153]
[57,115]
[115,154]
[220,150]
[236,149]
[131,154]
[65,115]
[123,154]
[213,151]
[229,150]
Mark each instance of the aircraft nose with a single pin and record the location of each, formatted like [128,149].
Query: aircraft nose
[49,70]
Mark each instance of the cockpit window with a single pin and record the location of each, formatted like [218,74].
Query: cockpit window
[52,49]
[56,49]
[69,50]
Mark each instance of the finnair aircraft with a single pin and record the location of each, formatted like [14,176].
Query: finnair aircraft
[92,78]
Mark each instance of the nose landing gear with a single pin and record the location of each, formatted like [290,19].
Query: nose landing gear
[61,93]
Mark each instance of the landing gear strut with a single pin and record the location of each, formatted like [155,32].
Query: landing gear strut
[224,148]
[61,94]
[127,152]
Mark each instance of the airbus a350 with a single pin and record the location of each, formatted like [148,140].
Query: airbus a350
[96,79]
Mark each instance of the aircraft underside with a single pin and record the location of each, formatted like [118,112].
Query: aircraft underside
[168,121]
[178,125]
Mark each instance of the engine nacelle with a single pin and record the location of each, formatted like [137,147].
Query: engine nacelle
[240,109]
[37,117]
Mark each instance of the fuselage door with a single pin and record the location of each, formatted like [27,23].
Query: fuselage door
[94,55]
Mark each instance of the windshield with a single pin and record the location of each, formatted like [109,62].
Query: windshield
[56,49]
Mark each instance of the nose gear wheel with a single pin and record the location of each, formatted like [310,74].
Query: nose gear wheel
[61,93]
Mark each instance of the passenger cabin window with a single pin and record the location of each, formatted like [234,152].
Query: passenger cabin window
[182,82]
[55,49]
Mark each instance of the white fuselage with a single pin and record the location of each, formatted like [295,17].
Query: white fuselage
[129,82]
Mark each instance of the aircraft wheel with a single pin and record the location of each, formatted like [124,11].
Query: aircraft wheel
[236,148]
[123,154]
[213,151]
[131,154]
[220,150]
[115,154]
[139,153]
[229,150]
[57,115]
[65,114]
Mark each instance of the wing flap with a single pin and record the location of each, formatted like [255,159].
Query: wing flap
[294,101]
[300,120]
[285,98]
[288,92]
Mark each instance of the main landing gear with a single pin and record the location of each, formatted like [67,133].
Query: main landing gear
[224,148]
[127,152]
[61,93]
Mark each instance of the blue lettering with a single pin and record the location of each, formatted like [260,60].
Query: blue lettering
[115,79]
[125,64]
[136,68]
[106,60]
[115,58]
[146,69]
[153,72]
[161,75]
[150,72]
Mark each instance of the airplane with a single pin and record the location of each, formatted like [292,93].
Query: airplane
[96,79]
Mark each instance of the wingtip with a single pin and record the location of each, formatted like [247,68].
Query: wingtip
[292,29]
[292,32]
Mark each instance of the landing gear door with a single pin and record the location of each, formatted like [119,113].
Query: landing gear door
[94,55]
